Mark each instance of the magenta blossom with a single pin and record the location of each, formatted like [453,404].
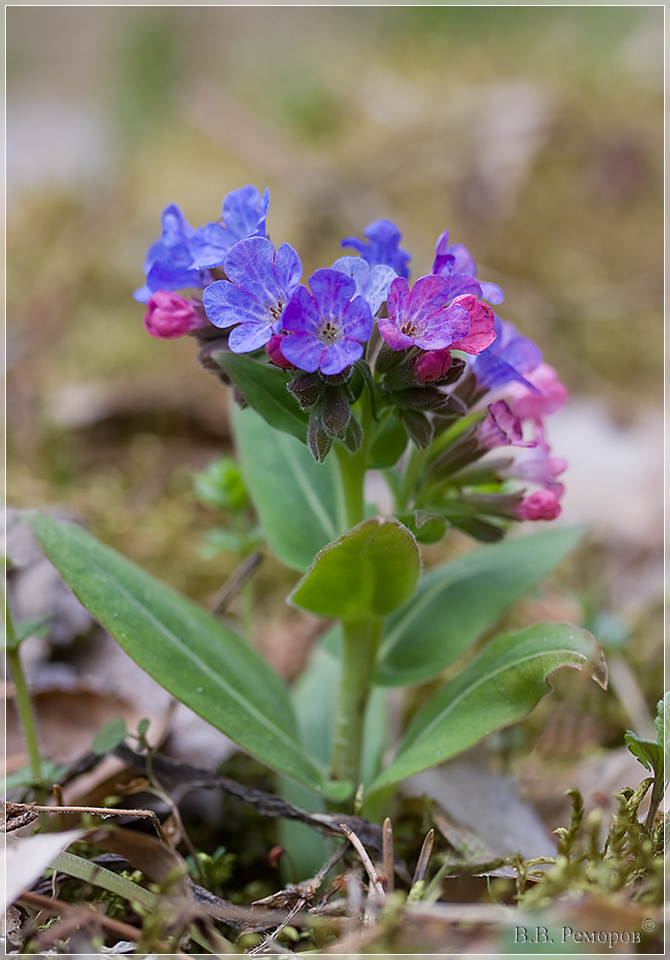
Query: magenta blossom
[435,363]
[170,316]
[325,329]
[528,405]
[424,317]
[501,428]
[541,505]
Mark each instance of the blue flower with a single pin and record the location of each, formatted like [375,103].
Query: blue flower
[169,264]
[382,247]
[326,329]
[371,282]
[261,282]
[510,357]
[243,213]
[454,261]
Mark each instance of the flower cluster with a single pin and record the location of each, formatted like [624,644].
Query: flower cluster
[425,355]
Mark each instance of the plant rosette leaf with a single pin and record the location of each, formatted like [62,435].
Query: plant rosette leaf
[457,602]
[195,657]
[296,498]
[499,687]
[365,574]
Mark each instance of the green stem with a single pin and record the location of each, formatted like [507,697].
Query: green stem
[26,717]
[656,796]
[353,466]
[358,659]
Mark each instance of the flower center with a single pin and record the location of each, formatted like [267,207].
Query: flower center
[330,331]
[408,329]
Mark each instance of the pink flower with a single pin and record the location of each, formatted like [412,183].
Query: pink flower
[169,316]
[481,333]
[541,505]
[501,428]
[527,405]
[539,467]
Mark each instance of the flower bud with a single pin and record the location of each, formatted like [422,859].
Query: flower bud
[432,365]
[273,350]
[170,316]
[541,505]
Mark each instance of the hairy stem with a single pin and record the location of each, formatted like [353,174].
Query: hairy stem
[358,659]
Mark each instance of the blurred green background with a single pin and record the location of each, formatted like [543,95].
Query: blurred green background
[533,133]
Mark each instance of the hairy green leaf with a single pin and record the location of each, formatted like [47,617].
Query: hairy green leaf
[190,653]
[457,602]
[500,686]
[296,498]
[368,572]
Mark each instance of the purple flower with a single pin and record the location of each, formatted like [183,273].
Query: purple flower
[538,466]
[501,428]
[169,316]
[326,328]
[423,317]
[510,357]
[382,247]
[371,282]
[169,264]
[261,282]
[243,213]
[454,260]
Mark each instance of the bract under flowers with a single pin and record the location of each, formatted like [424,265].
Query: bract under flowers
[261,282]
[326,329]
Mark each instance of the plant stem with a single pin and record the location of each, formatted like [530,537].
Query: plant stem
[26,717]
[358,659]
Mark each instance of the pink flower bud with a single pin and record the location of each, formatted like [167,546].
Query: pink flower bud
[432,365]
[273,350]
[169,316]
[541,505]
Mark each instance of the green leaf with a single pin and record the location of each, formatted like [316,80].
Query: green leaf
[195,657]
[389,440]
[264,389]
[110,736]
[296,498]
[457,602]
[367,573]
[500,686]
[648,752]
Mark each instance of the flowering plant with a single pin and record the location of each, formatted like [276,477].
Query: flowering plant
[357,371]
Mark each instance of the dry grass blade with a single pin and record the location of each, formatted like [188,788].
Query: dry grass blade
[424,857]
[375,885]
[388,855]
[104,812]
